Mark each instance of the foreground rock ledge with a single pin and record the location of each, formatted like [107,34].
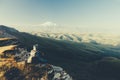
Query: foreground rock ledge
[26,69]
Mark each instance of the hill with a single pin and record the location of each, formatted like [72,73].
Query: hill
[80,60]
[14,60]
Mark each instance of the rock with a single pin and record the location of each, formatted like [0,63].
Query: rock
[57,69]
[29,66]
[60,74]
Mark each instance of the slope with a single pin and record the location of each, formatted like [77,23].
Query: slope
[79,59]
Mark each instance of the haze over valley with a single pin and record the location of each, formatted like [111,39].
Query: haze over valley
[59,39]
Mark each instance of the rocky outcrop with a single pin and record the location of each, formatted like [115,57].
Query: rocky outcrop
[50,72]
[59,73]
[24,65]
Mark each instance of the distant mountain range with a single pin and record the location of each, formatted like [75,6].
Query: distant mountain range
[100,38]
[83,56]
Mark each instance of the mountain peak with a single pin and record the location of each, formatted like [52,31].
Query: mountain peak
[7,32]
[6,28]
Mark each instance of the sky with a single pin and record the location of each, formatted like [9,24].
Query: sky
[82,15]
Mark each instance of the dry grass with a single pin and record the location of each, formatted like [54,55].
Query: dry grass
[4,48]
[10,64]
[3,39]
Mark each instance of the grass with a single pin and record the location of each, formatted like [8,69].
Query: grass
[4,48]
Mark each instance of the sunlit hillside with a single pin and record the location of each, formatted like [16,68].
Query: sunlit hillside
[4,48]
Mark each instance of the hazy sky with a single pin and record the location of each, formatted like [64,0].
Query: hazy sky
[86,15]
